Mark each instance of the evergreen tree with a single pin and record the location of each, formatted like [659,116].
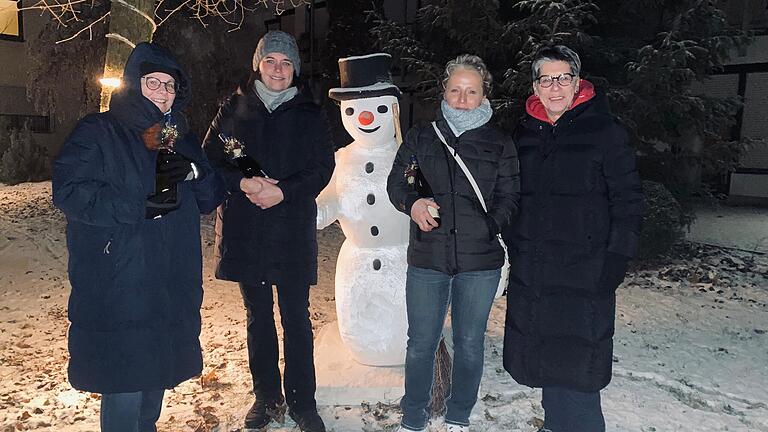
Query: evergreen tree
[679,130]
[649,56]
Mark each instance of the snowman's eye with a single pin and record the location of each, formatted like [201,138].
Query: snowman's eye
[349,111]
[382,109]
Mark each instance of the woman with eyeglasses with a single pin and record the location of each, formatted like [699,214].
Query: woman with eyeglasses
[570,245]
[132,183]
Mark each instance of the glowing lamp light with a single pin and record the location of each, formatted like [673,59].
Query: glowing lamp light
[111,82]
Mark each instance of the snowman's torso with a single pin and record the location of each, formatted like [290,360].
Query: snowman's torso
[372,263]
[366,216]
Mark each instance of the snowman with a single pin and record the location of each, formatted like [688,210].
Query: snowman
[371,266]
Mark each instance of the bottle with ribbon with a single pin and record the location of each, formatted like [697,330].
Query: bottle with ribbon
[415,179]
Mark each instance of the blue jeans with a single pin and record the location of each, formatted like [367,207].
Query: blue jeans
[131,412]
[428,293]
[571,411]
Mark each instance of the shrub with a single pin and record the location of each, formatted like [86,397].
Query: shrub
[23,159]
[664,220]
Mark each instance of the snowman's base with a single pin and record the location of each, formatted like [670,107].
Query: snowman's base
[343,381]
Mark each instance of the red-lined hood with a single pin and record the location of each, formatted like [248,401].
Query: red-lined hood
[535,108]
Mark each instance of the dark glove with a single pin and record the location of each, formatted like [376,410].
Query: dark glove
[151,136]
[173,167]
[162,203]
[614,269]
[493,227]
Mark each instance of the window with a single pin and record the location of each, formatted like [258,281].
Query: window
[10,21]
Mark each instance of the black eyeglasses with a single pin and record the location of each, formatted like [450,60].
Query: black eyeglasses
[153,83]
[563,80]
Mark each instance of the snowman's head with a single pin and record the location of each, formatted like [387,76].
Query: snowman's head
[369,119]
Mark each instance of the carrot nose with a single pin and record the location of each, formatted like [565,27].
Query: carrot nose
[365,118]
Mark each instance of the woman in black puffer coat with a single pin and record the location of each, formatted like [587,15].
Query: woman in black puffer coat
[266,227]
[457,263]
[135,258]
[578,227]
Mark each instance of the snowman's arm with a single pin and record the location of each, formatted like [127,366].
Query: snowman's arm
[328,202]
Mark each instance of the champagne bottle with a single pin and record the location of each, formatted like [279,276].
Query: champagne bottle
[162,185]
[248,165]
[415,178]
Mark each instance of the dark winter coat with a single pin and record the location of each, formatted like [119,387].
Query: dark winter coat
[578,227]
[293,145]
[136,283]
[466,239]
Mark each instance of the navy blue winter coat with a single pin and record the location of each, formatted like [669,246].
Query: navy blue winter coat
[136,283]
[578,227]
[292,144]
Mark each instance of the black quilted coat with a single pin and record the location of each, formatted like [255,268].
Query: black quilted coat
[466,239]
[577,228]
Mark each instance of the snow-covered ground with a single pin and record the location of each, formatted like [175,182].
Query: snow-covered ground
[691,345]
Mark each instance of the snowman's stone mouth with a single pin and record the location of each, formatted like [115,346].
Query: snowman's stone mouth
[370,130]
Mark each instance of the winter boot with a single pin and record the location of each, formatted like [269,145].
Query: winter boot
[308,421]
[263,411]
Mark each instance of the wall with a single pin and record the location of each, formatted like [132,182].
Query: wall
[15,63]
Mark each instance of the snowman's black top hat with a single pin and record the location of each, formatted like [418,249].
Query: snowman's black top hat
[365,77]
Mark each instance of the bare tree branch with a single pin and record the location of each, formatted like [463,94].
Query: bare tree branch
[67,12]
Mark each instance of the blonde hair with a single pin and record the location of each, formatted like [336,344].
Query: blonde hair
[470,62]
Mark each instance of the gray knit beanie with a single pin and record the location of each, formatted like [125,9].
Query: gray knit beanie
[276,41]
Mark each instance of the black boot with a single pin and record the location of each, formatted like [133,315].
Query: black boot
[308,421]
[263,411]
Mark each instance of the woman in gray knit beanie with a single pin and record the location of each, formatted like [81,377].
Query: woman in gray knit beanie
[272,145]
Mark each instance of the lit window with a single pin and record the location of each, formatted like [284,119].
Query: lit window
[10,21]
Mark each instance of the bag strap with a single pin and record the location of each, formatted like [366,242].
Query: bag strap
[463,166]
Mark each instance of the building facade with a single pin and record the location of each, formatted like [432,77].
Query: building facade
[747,76]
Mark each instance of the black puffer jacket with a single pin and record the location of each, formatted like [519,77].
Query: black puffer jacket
[465,240]
[577,228]
[293,145]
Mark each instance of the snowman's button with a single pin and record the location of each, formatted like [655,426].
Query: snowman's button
[374,230]
[376,264]
[369,167]
[371,198]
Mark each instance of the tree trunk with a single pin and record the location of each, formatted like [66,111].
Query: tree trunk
[124,22]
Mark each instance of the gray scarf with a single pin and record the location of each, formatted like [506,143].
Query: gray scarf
[273,99]
[461,120]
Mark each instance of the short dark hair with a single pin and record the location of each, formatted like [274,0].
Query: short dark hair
[555,53]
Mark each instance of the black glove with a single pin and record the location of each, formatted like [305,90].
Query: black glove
[493,227]
[162,203]
[173,167]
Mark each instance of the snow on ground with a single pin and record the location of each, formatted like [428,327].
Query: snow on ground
[691,345]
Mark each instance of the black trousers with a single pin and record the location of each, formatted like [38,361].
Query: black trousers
[263,352]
